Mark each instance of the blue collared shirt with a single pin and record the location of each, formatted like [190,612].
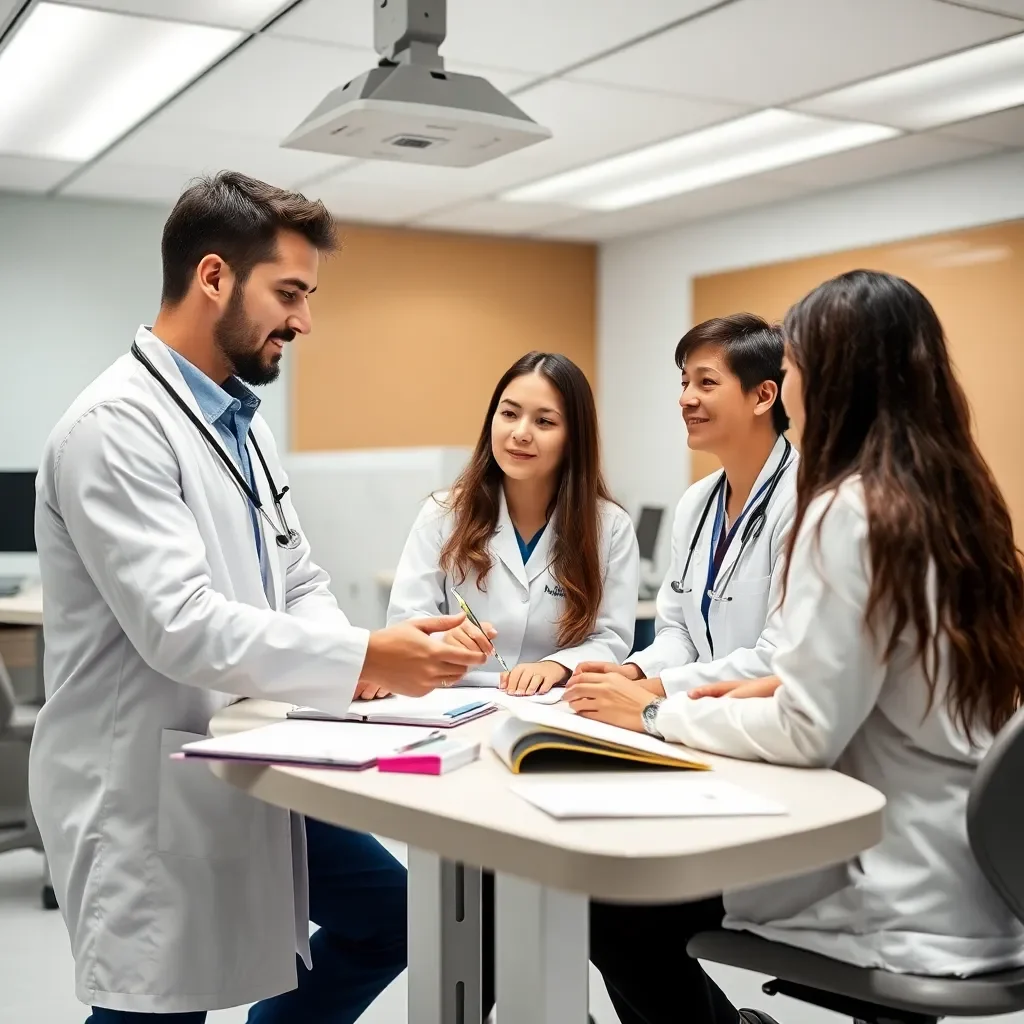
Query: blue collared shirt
[229,409]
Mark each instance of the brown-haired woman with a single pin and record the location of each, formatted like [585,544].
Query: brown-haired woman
[529,537]
[901,654]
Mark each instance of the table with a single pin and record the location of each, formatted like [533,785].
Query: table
[24,609]
[547,869]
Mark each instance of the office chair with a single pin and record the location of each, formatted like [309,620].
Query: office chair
[874,996]
[17,723]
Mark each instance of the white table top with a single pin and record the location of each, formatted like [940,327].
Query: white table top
[24,609]
[472,815]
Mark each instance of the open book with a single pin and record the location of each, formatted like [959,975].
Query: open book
[540,738]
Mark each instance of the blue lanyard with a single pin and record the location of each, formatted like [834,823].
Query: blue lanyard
[716,533]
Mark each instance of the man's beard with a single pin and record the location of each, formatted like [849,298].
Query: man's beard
[239,339]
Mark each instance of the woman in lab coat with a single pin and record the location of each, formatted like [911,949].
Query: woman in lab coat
[730,528]
[900,654]
[532,542]
[529,537]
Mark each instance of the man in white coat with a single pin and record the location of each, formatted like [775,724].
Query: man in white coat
[176,579]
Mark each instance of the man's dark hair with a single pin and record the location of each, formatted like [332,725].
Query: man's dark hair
[752,348]
[238,218]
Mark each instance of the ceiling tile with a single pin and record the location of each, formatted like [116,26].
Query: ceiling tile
[532,35]
[772,52]
[1006,128]
[589,122]
[366,200]
[266,88]
[896,156]
[494,216]
[1015,8]
[198,151]
[21,174]
[709,202]
[247,14]
[129,182]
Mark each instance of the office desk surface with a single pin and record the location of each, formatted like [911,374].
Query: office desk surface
[24,609]
[471,815]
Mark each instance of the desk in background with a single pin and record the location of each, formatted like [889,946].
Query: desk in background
[547,869]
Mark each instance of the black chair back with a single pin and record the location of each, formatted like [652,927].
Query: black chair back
[995,822]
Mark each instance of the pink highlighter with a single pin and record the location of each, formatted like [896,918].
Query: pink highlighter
[435,757]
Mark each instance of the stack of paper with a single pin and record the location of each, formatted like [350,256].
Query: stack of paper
[696,795]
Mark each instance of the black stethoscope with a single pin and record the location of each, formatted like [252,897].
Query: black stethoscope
[752,528]
[285,536]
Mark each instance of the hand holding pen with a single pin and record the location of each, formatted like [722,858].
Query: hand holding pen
[474,634]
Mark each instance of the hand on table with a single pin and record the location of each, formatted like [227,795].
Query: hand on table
[370,691]
[738,688]
[629,670]
[608,672]
[609,697]
[526,680]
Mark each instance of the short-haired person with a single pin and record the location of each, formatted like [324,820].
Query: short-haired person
[730,528]
[176,579]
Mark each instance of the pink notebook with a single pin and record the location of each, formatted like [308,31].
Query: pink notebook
[434,758]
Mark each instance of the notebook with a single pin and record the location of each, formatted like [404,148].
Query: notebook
[695,795]
[318,744]
[440,709]
[540,738]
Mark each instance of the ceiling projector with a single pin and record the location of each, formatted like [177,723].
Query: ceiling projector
[410,108]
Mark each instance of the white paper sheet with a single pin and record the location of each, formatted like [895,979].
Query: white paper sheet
[697,795]
[343,744]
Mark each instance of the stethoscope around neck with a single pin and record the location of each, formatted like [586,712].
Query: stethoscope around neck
[752,528]
[285,536]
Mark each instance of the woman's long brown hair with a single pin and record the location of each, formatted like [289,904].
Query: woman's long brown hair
[882,403]
[475,500]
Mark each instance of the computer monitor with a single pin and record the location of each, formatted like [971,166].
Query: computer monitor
[647,529]
[17,511]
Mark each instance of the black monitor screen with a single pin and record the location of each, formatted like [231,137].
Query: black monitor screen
[647,530]
[17,510]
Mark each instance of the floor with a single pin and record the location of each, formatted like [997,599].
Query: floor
[37,978]
[37,986]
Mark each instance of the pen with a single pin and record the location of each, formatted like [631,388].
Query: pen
[476,622]
[429,738]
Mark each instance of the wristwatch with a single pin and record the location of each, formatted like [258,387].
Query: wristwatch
[650,717]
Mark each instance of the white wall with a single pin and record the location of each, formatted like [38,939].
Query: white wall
[645,293]
[76,280]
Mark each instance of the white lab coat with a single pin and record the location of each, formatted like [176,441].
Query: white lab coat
[916,902]
[740,627]
[523,603]
[180,892]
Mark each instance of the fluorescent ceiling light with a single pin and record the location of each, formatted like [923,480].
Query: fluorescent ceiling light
[964,85]
[73,80]
[736,149]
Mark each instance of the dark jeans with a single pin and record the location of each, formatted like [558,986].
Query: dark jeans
[641,953]
[357,895]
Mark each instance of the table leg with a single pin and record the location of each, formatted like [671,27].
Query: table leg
[542,949]
[444,940]
[40,694]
